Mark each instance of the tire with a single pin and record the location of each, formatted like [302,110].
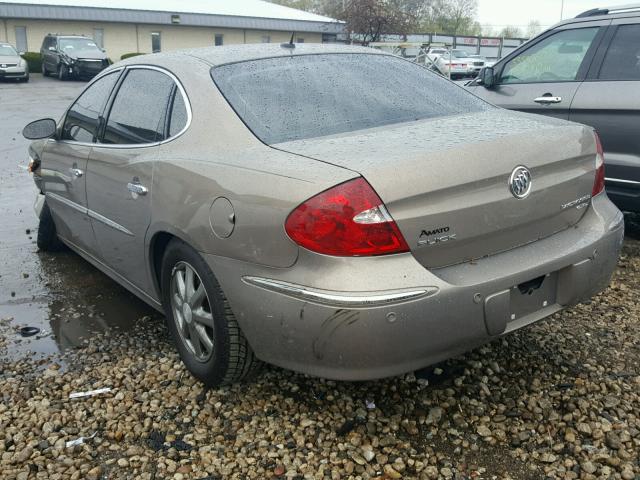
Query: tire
[206,334]
[62,74]
[47,239]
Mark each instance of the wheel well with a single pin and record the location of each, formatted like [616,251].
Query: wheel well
[158,246]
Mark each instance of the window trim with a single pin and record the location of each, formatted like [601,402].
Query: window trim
[62,121]
[596,68]
[110,99]
[584,67]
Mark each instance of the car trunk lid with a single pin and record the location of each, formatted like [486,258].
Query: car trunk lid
[445,181]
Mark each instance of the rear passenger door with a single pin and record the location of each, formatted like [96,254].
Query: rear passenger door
[120,170]
[609,100]
[544,76]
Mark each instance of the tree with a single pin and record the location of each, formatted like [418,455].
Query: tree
[533,28]
[511,32]
[307,5]
[450,16]
[370,19]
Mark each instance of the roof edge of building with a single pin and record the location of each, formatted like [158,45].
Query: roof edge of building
[113,15]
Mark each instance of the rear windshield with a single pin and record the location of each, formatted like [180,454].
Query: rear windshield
[306,96]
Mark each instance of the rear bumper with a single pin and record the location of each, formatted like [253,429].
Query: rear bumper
[347,318]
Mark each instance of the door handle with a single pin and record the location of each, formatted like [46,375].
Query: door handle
[137,188]
[548,100]
[77,172]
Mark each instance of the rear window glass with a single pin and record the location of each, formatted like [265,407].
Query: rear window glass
[298,97]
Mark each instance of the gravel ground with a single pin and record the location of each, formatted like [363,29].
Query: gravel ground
[557,400]
[560,399]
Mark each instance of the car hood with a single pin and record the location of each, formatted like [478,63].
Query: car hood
[91,54]
[10,59]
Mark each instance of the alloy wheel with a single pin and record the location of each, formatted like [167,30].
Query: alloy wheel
[192,311]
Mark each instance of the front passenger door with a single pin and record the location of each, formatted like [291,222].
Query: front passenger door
[121,169]
[64,164]
[544,78]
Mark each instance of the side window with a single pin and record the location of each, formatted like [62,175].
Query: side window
[179,116]
[83,118]
[622,61]
[138,112]
[557,58]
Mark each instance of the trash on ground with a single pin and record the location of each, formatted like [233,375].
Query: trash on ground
[29,331]
[79,440]
[371,404]
[89,393]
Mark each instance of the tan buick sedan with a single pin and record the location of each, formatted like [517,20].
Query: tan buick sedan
[333,210]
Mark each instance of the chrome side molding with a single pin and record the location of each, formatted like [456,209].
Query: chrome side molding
[340,299]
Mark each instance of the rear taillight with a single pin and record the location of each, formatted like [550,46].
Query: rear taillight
[346,220]
[598,183]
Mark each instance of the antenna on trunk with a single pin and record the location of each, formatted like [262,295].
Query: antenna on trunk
[290,44]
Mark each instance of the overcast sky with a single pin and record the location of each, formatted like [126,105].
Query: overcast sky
[500,13]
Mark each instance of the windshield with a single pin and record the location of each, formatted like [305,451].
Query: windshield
[459,54]
[7,51]
[77,44]
[305,96]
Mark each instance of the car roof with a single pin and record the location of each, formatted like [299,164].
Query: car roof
[57,35]
[222,55]
[605,13]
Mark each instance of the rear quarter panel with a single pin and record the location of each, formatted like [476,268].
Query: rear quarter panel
[219,157]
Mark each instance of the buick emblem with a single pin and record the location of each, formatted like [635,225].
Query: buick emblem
[520,182]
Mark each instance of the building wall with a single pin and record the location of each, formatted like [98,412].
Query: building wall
[121,38]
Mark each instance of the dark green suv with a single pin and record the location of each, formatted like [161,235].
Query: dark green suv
[72,56]
[586,69]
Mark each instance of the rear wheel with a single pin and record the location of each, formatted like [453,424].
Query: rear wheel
[201,322]
[47,239]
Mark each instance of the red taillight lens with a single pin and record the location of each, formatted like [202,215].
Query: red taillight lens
[598,184]
[346,220]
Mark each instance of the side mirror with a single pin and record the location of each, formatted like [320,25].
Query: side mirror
[44,128]
[487,75]
[21,53]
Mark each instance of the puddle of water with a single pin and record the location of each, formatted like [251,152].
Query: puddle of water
[61,294]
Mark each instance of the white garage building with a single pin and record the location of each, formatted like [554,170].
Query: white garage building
[127,26]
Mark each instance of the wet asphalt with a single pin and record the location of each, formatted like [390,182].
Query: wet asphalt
[60,294]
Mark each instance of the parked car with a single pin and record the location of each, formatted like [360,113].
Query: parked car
[434,53]
[347,228]
[12,65]
[586,69]
[72,56]
[456,64]
[479,62]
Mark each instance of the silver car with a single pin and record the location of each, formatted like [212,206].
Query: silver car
[12,65]
[332,210]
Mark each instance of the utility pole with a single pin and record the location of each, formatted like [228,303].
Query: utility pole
[561,9]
